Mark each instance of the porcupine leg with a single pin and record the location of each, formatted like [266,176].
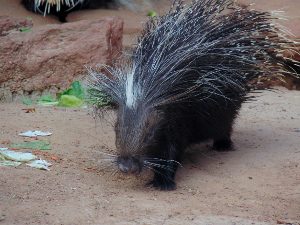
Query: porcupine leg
[164,177]
[223,143]
[29,5]
[61,15]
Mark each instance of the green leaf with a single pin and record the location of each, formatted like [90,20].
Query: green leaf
[25,29]
[152,13]
[47,100]
[48,103]
[76,90]
[36,145]
[70,101]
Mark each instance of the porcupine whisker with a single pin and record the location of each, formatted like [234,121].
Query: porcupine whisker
[160,166]
[108,165]
[114,172]
[164,160]
[108,158]
[156,171]
[111,161]
[73,6]
[108,154]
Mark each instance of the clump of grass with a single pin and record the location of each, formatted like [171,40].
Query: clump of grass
[97,98]
[75,96]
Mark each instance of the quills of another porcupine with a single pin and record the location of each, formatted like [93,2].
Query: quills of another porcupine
[58,3]
[130,4]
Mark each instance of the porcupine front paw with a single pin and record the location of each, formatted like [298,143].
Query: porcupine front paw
[62,17]
[164,183]
[223,145]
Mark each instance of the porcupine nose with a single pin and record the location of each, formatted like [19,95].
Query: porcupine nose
[124,167]
[128,165]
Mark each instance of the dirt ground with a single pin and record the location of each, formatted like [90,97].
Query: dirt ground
[258,183]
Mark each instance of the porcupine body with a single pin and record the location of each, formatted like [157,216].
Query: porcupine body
[185,82]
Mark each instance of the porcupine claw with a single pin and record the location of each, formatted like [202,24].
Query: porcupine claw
[223,145]
[161,183]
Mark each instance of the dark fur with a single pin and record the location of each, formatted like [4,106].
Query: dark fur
[187,127]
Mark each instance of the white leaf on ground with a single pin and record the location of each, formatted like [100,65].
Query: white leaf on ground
[39,164]
[34,133]
[16,156]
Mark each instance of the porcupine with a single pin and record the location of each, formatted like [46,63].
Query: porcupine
[185,81]
[61,8]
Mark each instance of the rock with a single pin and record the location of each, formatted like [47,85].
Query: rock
[53,56]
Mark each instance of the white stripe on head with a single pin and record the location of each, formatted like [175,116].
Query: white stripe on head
[131,92]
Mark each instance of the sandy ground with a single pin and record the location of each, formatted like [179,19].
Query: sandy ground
[259,183]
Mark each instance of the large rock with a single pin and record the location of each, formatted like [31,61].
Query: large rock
[53,56]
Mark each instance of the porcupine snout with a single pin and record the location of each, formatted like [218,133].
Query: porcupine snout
[129,164]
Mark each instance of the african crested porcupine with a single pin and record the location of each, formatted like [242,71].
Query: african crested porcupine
[61,8]
[55,7]
[185,81]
